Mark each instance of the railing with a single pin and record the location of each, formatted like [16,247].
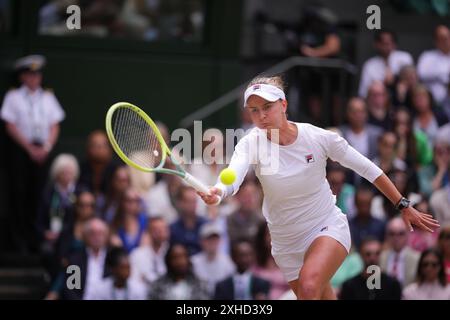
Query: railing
[281,67]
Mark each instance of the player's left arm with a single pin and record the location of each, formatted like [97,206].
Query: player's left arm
[410,215]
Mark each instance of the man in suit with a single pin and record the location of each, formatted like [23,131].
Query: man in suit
[358,288]
[90,260]
[242,285]
[399,260]
[361,135]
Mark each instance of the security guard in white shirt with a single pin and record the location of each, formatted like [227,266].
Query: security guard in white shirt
[32,116]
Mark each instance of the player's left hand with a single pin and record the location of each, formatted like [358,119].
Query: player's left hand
[421,220]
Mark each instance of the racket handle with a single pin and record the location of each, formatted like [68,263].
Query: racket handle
[198,185]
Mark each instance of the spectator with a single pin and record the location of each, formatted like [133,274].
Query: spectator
[440,203]
[378,104]
[211,265]
[32,116]
[425,119]
[244,222]
[147,261]
[344,192]
[413,146]
[433,66]
[265,266]
[361,135]
[407,80]
[108,204]
[179,283]
[431,283]
[119,286]
[386,64]
[160,199]
[90,260]
[352,266]
[356,288]
[398,260]
[57,202]
[97,169]
[364,224]
[186,229]
[437,176]
[444,247]
[419,239]
[387,158]
[243,284]
[130,222]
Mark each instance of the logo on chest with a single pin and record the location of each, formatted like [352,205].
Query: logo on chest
[309,158]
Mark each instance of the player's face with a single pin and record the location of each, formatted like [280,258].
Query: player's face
[266,114]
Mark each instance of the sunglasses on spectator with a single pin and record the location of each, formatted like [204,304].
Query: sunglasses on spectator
[396,234]
[86,204]
[430,264]
[372,253]
[132,199]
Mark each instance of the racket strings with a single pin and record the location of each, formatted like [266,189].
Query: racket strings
[136,138]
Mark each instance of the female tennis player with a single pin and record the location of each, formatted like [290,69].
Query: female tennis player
[310,234]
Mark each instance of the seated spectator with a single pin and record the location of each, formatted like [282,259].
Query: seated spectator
[344,192]
[243,284]
[147,261]
[130,223]
[379,106]
[364,224]
[444,247]
[386,64]
[436,176]
[160,199]
[433,66]
[210,264]
[440,204]
[399,260]
[90,260]
[412,146]
[244,222]
[71,239]
[265,266]
[406,81]
[57,202]
[360,135]
[108,204]
[421,240]
[119,286]
[356,288]
[179,283]
[426,119]
[186,229]
[431,283]
[97,169]
[387,158]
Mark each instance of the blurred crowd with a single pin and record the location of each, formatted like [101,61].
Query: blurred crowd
[150,20]
[138,235]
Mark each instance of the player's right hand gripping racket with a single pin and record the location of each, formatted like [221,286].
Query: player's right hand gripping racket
[138,142]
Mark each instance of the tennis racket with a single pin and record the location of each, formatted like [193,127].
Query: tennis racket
[138,142]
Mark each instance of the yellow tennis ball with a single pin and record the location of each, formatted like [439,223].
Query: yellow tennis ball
[227,176]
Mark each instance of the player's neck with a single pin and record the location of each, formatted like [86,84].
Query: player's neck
[288,133]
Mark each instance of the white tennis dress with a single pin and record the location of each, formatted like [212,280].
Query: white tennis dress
[298,203]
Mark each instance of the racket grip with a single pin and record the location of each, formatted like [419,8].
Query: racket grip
[198,185]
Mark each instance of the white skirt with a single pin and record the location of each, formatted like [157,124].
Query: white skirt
[290,242]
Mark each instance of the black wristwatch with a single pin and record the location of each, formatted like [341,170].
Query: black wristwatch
[402,204]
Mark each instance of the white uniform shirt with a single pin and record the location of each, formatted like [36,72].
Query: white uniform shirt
[374,69]
[33,113]
[94,272]
[148,265]
[297,196]
[433,69]
[106,290]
